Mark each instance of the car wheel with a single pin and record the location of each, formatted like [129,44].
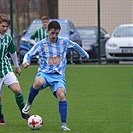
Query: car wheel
[112,61]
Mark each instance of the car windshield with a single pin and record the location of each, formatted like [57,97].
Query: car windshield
[124,32]
[87,34]
[63,28]
[8,32]
[36,26]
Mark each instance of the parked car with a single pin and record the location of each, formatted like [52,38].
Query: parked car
[89,37]
[120,45]
[67,30]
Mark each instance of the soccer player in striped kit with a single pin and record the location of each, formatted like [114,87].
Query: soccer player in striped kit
[7,76]
[52,52]
[40,33]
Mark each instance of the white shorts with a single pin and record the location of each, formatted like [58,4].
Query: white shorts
[8,79]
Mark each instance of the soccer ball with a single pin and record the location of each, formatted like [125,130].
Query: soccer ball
[35,122]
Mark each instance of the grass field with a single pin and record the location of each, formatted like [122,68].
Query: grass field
[99,99]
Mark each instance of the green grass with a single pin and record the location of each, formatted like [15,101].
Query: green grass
[99,101]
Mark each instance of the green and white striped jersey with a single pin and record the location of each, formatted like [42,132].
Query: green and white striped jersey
[6,45]
[39,34]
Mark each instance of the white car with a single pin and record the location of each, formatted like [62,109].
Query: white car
[120,45]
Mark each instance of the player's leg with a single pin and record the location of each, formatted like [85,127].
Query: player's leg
[2,122]
[34,90]
[0,106]
[58,88]
[12,83]
[39,82]
[60,93]
[33,93]
[15,87]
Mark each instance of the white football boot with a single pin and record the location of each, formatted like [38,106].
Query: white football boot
[65,127]
[26,108]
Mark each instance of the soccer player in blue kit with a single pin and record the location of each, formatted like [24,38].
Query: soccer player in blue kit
[52,56]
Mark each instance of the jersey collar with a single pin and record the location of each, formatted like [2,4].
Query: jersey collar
[2,36]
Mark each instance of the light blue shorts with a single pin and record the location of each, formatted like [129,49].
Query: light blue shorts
[54,80]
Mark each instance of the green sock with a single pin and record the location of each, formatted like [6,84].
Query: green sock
[20,101]
[0,109]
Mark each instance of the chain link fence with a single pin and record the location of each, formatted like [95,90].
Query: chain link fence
[80,12]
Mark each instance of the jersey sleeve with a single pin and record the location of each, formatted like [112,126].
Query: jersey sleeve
[35,35]
[32,52]
[11,47]
[75,47]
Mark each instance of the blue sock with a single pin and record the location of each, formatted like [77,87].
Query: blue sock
[32,94]
[63,111]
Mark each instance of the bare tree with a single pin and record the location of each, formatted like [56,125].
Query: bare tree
[48,8]
[43,8]
[4,6]
[1,6]
[52,8]
[20,9]
[26,11]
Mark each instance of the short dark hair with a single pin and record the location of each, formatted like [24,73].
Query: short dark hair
[44,18]
[4,18]
[54,25]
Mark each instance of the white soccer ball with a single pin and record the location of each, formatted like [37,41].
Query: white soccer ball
[35,122]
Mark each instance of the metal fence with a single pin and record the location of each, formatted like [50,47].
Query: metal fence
[104,13]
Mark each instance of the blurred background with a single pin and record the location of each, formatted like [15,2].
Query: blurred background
[107,14]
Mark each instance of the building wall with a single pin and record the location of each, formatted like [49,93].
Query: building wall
[84,12]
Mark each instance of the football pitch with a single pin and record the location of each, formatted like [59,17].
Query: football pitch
[99,101]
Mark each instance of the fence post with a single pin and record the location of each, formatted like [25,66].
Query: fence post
[99,45]
[11,17]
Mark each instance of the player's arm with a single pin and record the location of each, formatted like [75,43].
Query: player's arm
[74,46]
[32,38]
[15,62]
[28,56]
[33,42]
[26,64]
[35,35]
[13,54]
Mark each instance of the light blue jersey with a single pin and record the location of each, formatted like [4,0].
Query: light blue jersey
[52,57]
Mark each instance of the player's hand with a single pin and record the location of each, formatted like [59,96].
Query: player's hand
[87,57]
[26,64]
[18,70]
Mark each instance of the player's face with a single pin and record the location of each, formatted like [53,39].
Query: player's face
[4,27]
[52,35]
[45,23]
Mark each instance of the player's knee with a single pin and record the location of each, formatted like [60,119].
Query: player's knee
[15,88]
[17,91]
[61,97]
[38,83]
[60,94]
